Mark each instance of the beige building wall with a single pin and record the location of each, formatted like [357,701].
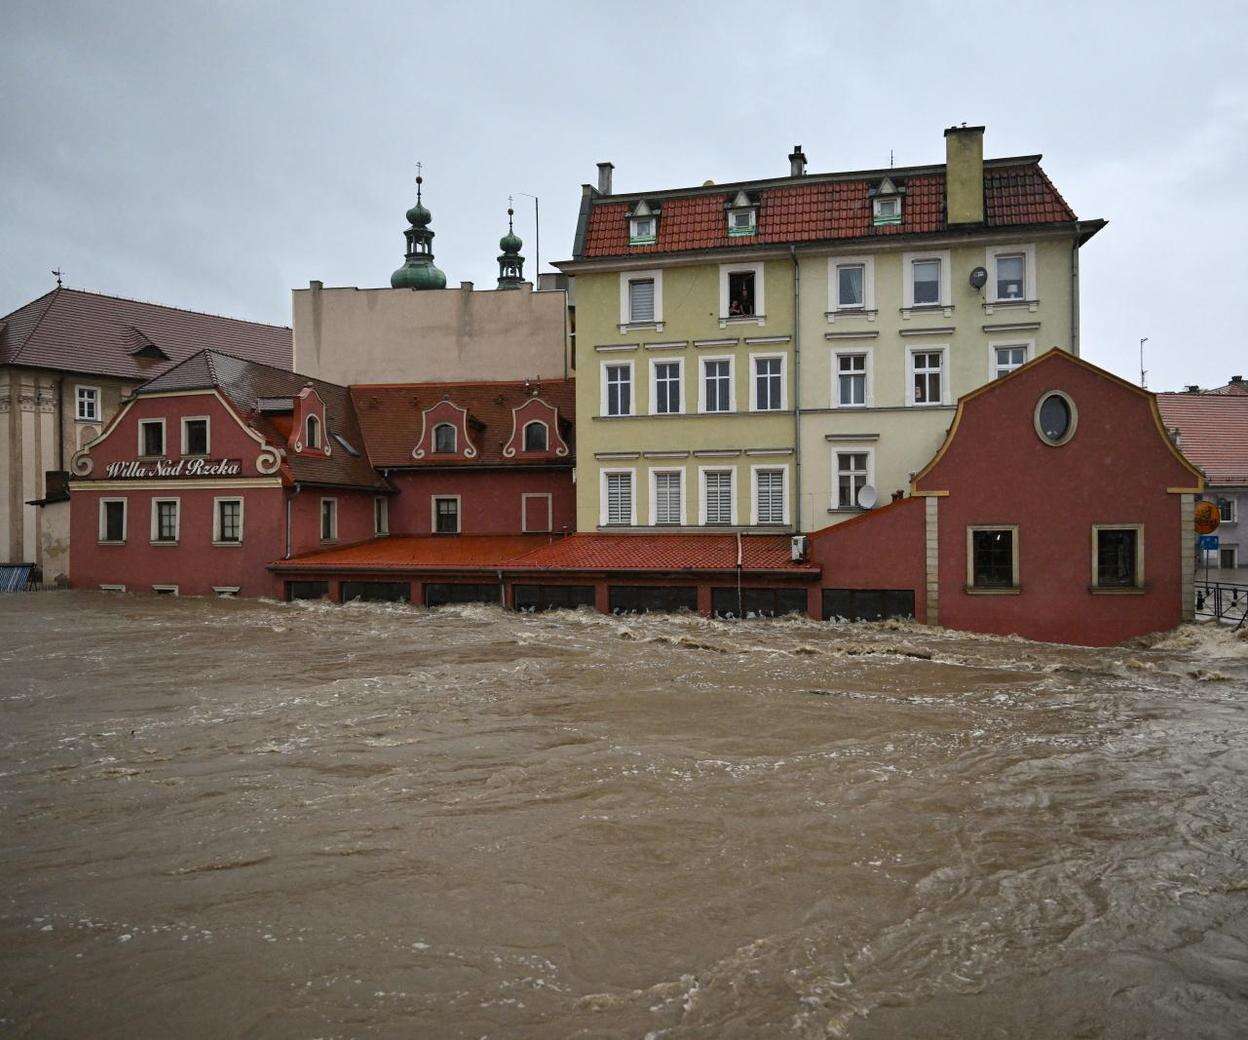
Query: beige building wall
[35,406]
[349,335]
[899,436]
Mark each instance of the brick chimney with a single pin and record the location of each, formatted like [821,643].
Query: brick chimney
[604,177]
[964,175]
[797,162]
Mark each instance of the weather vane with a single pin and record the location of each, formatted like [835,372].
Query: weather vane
[58,274]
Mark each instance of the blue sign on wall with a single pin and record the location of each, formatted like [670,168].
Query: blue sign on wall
[1208,541]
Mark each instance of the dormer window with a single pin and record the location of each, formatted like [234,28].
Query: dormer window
[444,439]
[313,430]
[886,203]
[535,436]
[643,225]
[742,216]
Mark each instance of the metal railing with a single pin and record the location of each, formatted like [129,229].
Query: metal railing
[1222,601]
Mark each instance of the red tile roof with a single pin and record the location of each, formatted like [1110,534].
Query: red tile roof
[818,209]
[391,418]
[426,552]
[1213,433]
[664,552]
[87,332]
[1235,388]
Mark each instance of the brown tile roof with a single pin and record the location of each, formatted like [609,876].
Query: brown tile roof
[1213,433]
[421,552]
[246,382]
[391,416]
[78,331]
[1235,388]
[664,552]
[820,209]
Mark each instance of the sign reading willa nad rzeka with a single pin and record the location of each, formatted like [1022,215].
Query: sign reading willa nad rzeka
[166,469]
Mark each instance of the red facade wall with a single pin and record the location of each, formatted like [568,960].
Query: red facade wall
[878,550]
[489,503]
[355,518]
[1116,469]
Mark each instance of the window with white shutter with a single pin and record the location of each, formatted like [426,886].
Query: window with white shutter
[769,489]
[619,498]
[641,300]
[668,508]
[717,493]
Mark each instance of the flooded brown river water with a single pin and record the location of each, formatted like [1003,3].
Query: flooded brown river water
[242,819]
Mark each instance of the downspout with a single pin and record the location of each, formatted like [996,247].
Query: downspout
[740,602]
[289,502]
[60,425]
[797,392]
[1074,295]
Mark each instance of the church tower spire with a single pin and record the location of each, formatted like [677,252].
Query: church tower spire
[418,270]
[510,263]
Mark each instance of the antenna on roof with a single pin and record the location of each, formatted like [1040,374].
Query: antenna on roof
[890,158]
[58,277]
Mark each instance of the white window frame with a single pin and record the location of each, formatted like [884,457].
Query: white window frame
[632,388]
[732,494]
[207,433]
[892,218]
[102,529]
[908,261]
[760,300]
[654,384]
[1029,352]
[868,381]
[381,516]
[849,448]
[333,520]
[750,228]
[164,440]
[525,526]
[934,348]
[1230,497]
[1139,556]
[603,517]
[654,503]
[626,320]
[433,446]
[636,237]
[112,588]
[216,519]
[96,399]
[784,381]
[308,420]
[1015,554]
[784,492]
[433,513]
[732,384]
[1028,253]
[154,512]
[524,435]
[867,263]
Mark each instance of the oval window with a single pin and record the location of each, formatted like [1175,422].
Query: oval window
[1055,418]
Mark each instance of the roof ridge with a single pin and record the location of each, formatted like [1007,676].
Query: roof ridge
[38,321]
[171,307]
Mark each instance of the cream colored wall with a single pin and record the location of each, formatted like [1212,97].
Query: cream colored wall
[54,543]
[349,335]
[907,435]
[690,311]
[28,450]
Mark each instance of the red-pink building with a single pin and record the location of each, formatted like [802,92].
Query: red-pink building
[218,470]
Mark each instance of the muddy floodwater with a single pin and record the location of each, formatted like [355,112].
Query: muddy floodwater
[251,819]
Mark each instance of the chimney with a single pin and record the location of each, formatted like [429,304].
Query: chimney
[604,177]
[1193,388]
[316,285]
[466,286]
[797,162]
[964,175]
[1237,380]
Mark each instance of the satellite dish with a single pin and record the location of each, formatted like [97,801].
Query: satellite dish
[867,497]
[979,278]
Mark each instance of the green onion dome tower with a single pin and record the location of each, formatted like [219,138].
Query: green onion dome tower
[418,270]
[510,263]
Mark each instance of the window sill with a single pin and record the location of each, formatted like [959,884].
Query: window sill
[742,319]
[991,305]
[850,312]
[920,309]
[103,541]
[848,511]
[638,326]
[228,545]
[926,404]
[164,542]
[81,419]
[993,590]
[1118,590]
[153,458]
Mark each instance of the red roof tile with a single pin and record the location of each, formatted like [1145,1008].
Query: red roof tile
[92,333]
[820,210]
[664,552]
[1213,433]
[391,418]
[427,552]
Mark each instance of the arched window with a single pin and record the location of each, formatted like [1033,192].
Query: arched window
[444,438]
[314,432]
[535,436]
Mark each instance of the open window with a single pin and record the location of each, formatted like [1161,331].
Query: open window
[329,519]
[741,293]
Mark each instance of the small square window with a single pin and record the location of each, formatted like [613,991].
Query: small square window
[742,222]
[446,515]
[887,210]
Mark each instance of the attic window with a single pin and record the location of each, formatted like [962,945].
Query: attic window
[643,225]
[886,203]
[313,431]
[742,216]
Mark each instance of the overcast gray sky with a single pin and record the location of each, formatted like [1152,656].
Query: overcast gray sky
[214,156]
